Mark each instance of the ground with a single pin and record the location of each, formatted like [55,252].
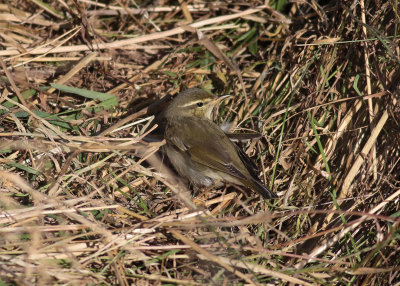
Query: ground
[87,197]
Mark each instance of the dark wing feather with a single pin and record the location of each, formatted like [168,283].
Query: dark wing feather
[243,136]
[248,163]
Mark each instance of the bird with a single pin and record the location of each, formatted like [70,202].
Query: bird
[200,151]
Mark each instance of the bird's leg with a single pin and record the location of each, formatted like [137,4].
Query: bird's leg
[200,198]
[203,192]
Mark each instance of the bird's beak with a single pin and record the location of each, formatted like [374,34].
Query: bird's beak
[222,97]
[214,103]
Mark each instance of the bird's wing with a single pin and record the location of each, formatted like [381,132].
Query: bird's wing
[248,163]
[208,145]
[243,136]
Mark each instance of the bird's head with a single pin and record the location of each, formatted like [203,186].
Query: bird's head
[193,102]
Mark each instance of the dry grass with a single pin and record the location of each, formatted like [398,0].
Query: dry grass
[86,199]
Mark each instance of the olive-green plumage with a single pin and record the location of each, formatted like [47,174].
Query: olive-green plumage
[199,150]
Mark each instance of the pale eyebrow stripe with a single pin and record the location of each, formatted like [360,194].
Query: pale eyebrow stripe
[193,103]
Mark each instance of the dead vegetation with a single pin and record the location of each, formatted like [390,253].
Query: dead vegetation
[87,199]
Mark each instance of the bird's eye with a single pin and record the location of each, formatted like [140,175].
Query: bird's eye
[199,104]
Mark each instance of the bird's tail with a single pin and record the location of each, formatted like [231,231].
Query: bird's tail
[260,188]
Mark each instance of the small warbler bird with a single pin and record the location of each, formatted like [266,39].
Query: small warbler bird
[200,151]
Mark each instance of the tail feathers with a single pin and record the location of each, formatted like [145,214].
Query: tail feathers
[261,189]
[253,183]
